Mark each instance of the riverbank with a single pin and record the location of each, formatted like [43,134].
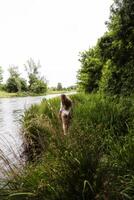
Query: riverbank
[4,94]
[94,161]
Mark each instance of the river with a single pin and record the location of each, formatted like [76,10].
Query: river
[11,111]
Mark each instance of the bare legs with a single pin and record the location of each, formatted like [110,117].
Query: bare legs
[65,123]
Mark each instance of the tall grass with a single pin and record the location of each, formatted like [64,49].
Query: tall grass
[94,161]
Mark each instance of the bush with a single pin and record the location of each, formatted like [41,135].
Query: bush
[38,87]
[16,85]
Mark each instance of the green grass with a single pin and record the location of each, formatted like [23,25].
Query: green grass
[59,91]
[94,161]
[4,94]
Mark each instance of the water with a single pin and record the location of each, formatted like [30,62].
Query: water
[11,111]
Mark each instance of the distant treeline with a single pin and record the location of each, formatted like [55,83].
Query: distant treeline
[108,67]
[15,83]
[35,84]
[60,88]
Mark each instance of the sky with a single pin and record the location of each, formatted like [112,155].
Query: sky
[52,31]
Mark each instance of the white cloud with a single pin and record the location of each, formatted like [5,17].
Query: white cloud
[53,31]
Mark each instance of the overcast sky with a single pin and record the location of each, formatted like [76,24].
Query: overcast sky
[52,31]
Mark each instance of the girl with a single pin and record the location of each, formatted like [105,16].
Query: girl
[65,112]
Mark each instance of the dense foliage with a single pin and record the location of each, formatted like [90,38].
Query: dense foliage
[115,54]
[15,83]
[90,72]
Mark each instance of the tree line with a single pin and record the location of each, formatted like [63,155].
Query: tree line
[108,67]
[60,87]
[15,83]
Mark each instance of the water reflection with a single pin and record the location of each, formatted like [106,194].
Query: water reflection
[11,111]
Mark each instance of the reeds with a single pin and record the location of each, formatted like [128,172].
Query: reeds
[94,161]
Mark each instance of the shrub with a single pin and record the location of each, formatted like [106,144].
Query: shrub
[38,87]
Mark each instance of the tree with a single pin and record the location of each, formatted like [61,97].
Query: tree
[1,75]
[90,72]
[39,87]
[37,84]
[14,71]
[117,48]
[59,86]
[32,69]
[15,83]
[24,87]
[109,66]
